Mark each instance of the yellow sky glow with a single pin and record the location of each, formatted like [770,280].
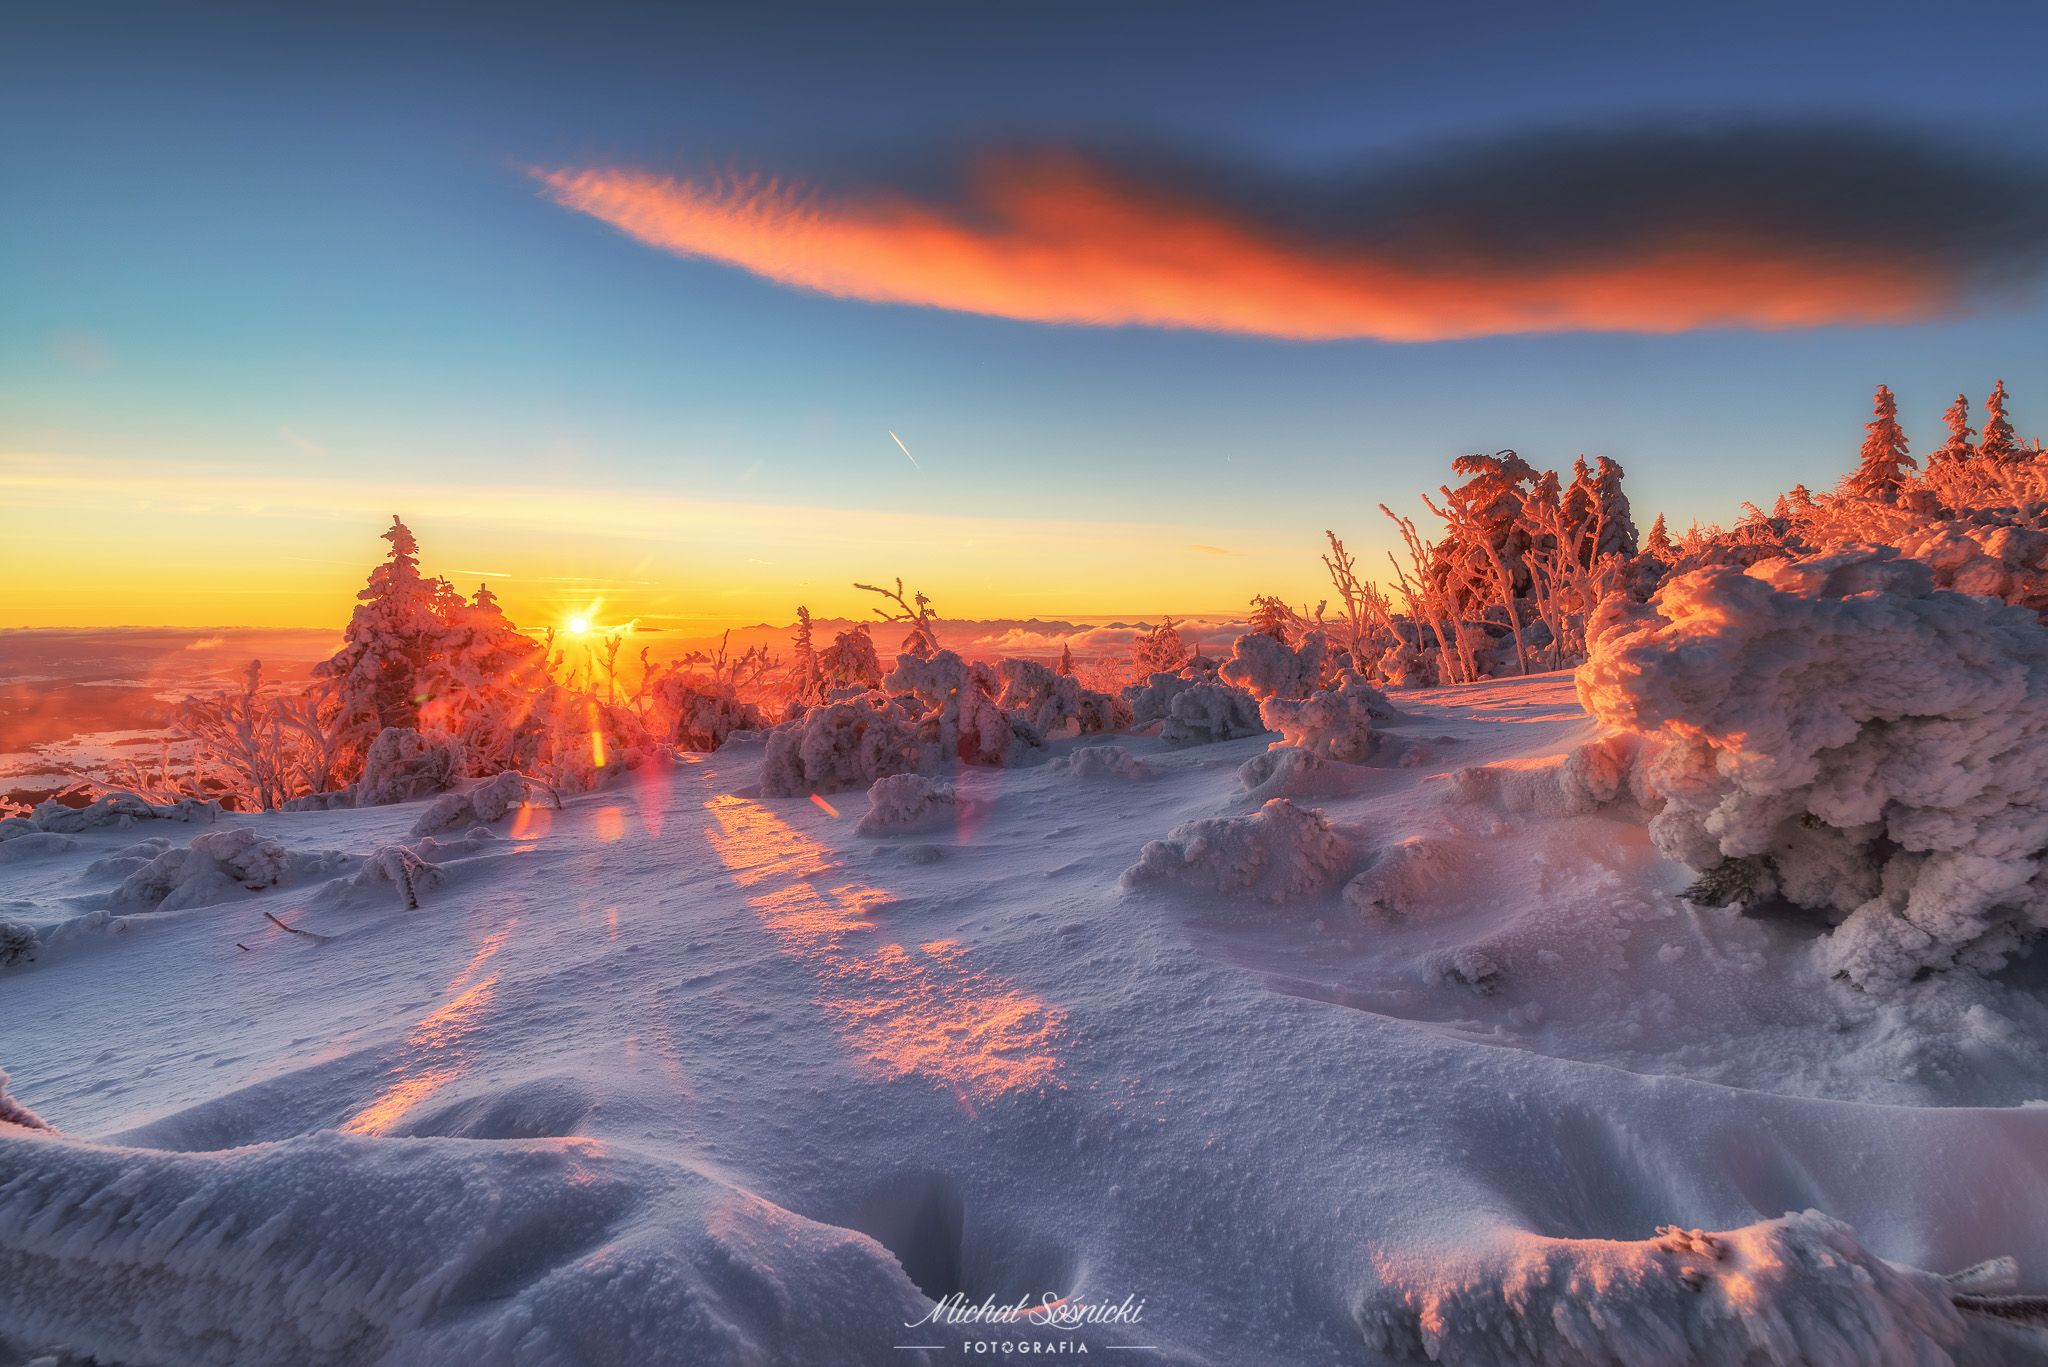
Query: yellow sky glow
[88,541]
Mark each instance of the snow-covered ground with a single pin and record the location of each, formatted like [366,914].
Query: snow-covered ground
[683,1074]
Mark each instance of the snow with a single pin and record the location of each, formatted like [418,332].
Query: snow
[684,1071]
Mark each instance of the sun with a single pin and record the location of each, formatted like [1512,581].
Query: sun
[579,625]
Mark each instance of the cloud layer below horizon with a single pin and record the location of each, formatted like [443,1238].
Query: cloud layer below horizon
[1645,231]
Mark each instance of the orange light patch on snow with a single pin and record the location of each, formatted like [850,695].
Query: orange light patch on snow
[434,1051]
[822,805]
[925,1012]
[610,824]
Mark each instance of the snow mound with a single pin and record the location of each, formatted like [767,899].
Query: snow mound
[1797,1291]
[1283,771]
[35,845]
[840,745]
[906,802]
[1335,723]
[403,764]
[1277,854]
[109,809]
[1403,878]
[1102,761]
[1838,732]
[334,1249]
[215,866]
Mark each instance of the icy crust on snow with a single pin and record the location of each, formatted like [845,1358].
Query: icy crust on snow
[1838,732]
[906,802]
[337,1249]
[1279,853]
[1798,1291]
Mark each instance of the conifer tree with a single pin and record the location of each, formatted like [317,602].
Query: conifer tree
[804,668]
[1884,462]
[1271,617]
[1614,528]
[850,661]
[1998,442]
[1066,664]
[1161,650]
[1659,545]
[1957,447]
[398,630]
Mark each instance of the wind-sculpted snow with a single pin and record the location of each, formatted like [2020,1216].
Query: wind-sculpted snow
[1103,761]
[1279,853]
[1194,712]
[338,1249]
[1798,1291]
[1838,732]
[906,802]
[115,809]
[489,801]
[840,745]
[12,1112]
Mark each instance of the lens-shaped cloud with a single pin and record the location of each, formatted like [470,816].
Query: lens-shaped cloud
[1647,231]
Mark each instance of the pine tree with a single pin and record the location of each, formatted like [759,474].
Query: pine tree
[1957,447]
[1882,473]
[1490,503]
[807,677]
[850,661]
[1659,545]
[1578,506]
[1066,664]
[1998,442]
[398,630]
[1614,527]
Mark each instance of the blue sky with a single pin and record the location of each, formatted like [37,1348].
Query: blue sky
[250,240]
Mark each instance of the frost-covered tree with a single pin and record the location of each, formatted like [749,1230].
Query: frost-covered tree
[850,661]
[1883,462]
[1161,650]
[1659,545]
[1272,617]
[1614,528]
[1488,509]
[394,636]
[914,612]
[807,676]
[1957,446]
[1998,442]
[1065,667]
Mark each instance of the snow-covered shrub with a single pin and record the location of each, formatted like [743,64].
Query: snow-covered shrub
[399,868]
[1335,723]
[840,745]
[403,764]
[906,802]
[1194,712]
[12,1112]
[491,800]
[17,943]
[1838,732]
[1462,965]
[700,714]
[1266,667]
[110,809]
[1791,1292]
[214,865]
[965,722]
[1102,761]
[1056,704]
[1277,854]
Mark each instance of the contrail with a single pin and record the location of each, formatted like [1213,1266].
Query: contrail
[904,449]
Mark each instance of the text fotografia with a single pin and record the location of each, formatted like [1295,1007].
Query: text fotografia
[1064,1314]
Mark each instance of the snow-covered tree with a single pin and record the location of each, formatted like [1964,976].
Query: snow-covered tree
[807,676]
[1066,664]
[850,661]
[914,611]
[1883,462]
[1161,650]
[1957,446]
[1659,545]
[1998,442]
[1272,617]
[393,637]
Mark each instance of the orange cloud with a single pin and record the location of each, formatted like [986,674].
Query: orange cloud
[1063,239]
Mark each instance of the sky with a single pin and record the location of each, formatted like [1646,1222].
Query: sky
[1050,310]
